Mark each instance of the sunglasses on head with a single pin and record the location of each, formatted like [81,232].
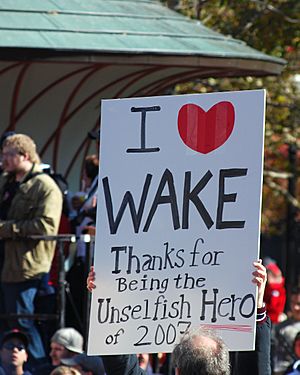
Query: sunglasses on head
[11,346]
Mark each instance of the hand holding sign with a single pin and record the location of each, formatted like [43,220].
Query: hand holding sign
[90,284]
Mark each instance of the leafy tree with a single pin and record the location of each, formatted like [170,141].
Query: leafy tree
[272,27]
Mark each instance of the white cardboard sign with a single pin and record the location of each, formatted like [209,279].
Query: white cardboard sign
[178,220]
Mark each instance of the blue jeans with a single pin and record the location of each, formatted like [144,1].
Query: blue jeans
[19,299]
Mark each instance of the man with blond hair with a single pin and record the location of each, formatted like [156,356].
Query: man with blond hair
[30,204]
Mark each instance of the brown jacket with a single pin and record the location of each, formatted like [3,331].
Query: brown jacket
[35,210]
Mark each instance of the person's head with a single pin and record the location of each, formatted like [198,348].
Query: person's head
[295,303]
[95,135]
[77,200]
[64,370]
[274,273]
[201,352]
[65,343]
[13,351]
[297,345]
[18,153]
[4,136]
[91,168]
[87,365]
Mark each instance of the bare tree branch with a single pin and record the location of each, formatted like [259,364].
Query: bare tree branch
[274,186]
[271,8]
[274,174]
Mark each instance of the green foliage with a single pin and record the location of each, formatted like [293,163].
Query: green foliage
[274,28]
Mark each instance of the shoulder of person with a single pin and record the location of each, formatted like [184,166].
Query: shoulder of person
[289,328]
[286,323]
[41,369]
[45,180]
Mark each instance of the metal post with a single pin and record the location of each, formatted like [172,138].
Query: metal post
[291,251]
[61,293]
[168,367]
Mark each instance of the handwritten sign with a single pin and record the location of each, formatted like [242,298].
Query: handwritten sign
[178,220]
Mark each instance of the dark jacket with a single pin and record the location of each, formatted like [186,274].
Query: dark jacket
[257,362]
[2,372]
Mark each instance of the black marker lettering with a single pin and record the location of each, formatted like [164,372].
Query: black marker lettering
[143,147]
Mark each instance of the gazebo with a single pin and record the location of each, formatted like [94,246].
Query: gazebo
[58,59]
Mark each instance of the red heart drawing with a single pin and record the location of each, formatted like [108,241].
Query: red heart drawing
[205,131]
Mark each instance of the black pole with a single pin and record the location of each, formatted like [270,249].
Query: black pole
[61,295]
[291,228]
[168,370]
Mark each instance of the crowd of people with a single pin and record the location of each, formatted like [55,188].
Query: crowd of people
[35,202]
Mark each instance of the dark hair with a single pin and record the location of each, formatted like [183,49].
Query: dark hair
[201,352]
[91,166]
[15,333]
[295,290]
[4,136]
